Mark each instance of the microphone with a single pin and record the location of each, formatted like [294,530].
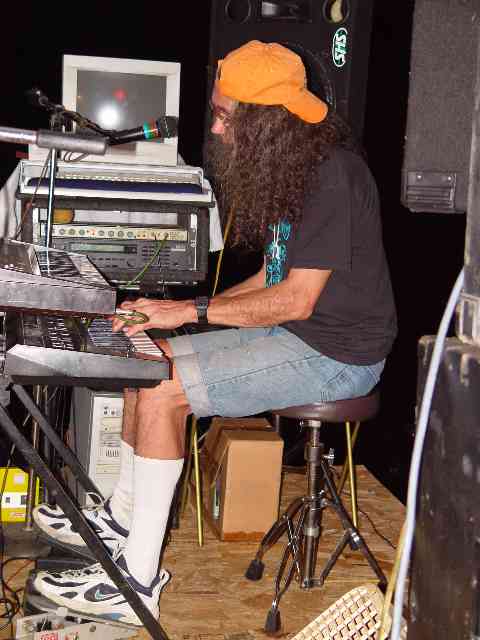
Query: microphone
[37,98]
[163,127]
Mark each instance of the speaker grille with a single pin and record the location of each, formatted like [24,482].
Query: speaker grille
[440,102]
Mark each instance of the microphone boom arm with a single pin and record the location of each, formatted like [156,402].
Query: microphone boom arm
[162,127]
[54,140]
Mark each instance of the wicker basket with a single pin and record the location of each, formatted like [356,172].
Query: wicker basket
[355,616]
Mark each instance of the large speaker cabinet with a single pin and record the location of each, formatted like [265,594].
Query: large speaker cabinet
[440,105]
[331,36]
[445,574]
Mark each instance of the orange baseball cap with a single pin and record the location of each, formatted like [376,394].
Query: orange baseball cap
[268,73]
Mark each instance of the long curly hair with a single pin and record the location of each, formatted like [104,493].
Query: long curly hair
[264,173]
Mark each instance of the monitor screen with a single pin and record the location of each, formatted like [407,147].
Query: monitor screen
[118,93]
[120,100]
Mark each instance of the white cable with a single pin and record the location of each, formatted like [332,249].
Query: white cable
[417,454]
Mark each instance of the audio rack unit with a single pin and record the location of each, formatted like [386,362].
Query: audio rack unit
[142,226]
[121,243]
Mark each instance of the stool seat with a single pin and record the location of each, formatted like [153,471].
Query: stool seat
[350,409]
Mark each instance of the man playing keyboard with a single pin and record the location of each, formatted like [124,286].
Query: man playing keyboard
[315,323]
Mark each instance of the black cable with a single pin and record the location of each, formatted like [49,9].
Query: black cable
[376,531]
[9,588]
[12,558]
[379,533]
[12,604]
[29,205]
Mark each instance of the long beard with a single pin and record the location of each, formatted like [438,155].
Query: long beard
[219,166]
[222,169]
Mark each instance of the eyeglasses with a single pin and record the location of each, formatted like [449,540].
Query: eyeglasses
[220,114]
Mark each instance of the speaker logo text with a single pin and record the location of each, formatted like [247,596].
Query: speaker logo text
[339,47]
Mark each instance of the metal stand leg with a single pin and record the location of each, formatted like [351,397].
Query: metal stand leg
[315,482]
[286,571]
[193,459]
[32,476]
[351,536]
[70,508]
[276,531]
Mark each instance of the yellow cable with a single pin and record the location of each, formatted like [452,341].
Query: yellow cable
[384,631]
[194,436]
[141,273]
[220,257]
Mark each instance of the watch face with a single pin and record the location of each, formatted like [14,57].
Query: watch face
[202,305]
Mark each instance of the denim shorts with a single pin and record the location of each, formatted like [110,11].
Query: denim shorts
[241,372]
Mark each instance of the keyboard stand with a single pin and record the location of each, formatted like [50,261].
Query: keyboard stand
[69,506]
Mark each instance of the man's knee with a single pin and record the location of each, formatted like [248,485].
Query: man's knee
[164,346]
[168,393]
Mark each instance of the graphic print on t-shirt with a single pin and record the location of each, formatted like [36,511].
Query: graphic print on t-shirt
[276,252]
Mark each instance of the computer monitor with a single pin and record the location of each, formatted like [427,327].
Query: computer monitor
[118,93]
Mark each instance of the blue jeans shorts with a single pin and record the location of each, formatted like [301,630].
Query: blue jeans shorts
[241,372]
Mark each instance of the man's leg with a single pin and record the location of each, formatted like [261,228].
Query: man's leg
[111,520]
[159,434]
[160,418]
[112,523]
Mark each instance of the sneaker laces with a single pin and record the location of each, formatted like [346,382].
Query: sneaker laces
[99,502]
[118,552]
[91,570]
[93,511]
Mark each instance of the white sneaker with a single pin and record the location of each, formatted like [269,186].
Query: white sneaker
[90,591]
[57,528]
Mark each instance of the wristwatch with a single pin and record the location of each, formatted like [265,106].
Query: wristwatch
[201,302]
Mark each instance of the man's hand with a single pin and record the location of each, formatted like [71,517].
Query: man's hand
[161,314]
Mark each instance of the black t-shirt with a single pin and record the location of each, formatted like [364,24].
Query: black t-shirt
[354,320]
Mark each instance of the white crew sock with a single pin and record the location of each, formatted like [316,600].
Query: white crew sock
[154,486]
[121,502]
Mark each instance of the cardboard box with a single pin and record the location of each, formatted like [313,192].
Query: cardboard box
[241,462]
[14,496]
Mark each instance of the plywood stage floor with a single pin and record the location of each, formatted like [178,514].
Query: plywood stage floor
[208,597]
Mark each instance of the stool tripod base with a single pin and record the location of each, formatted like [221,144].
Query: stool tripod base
[302,524]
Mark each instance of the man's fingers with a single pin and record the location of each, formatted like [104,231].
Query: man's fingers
[117,325]
[129,304]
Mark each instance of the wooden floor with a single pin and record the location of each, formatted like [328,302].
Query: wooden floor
[209,599]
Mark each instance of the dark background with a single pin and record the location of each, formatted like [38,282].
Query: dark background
[425,251]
